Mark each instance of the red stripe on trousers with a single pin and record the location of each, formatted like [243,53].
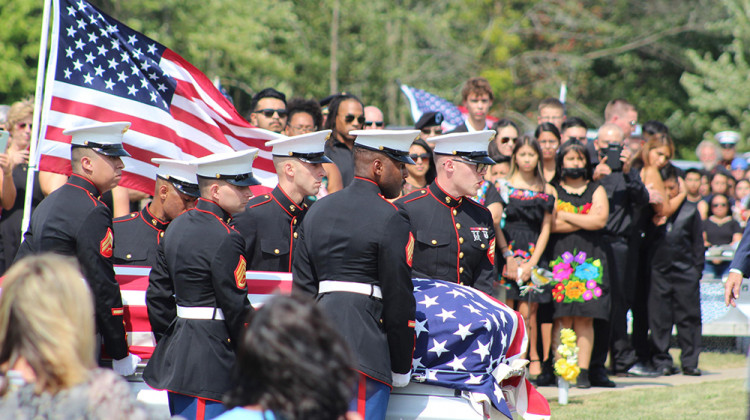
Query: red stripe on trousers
[362,396]
[200,409]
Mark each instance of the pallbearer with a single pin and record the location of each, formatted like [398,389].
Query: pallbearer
[455,238]
[73,221]
[197,294]
[354,256]
[138,234]
[270,223]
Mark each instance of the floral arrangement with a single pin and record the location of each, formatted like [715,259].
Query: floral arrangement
[567,207]
[566,366]
[577,278]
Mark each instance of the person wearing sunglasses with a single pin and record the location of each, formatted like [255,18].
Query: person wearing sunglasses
[345,114]
[269,224]
[14,164]
[623,114]
[374,119]
[197,292]
[455,236]
[269,110]
[422,173]
[353,257]
[430,125]
[728,142]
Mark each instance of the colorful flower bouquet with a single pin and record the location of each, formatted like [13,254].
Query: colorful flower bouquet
[566,367]
[576,278]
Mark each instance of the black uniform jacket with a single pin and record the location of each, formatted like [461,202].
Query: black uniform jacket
[199,263]
[72,221]
[269,226]
[678,244]
[356,235]
[455,238]
[137,236]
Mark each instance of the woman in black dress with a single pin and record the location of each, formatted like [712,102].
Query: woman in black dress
[528,218]
[580,286]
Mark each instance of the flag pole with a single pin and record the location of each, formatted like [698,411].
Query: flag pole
[38,96]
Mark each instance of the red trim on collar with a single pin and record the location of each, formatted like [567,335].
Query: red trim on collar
[441,189]
[87,180]
[368,180]
[289,198]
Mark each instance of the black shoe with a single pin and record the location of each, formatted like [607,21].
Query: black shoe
[641,370]
[691,371]
[547,377]
[668,370]
[600,380]
[583,379]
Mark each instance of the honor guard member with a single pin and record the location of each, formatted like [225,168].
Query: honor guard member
[73,221]
[197,294]
[138,234]
[271,220]
[353,257]
[455,237]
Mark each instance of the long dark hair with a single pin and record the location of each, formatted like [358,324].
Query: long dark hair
[571,146]
[432,172]
[549,128]
[293,362]
[534,144]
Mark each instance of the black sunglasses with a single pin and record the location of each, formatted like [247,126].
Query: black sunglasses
[268,112]
[481,167]
[504,140]
[349,118]
[375,123]
[436,131]
[415,156]
[581,139]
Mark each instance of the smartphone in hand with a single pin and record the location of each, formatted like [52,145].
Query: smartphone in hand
[4,136]
[613,157]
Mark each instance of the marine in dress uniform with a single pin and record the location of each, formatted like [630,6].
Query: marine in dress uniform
[138,234]
[353,257]
[455,237]
[269,224]
[73,221]
[197,294]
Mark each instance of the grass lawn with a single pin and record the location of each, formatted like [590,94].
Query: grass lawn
[710,400]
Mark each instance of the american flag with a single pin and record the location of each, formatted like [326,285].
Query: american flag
[101,70]
[468,341]
[134,282]
[421,101]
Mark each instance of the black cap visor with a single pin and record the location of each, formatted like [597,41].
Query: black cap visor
[397,155]
[105,149]
[312,157]
[474,157]
[184,187]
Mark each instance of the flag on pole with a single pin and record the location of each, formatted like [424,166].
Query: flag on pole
[102,71]
[421,101]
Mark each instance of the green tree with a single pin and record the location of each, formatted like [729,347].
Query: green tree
[19,48]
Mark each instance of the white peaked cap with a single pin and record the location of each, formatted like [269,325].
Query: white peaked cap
[394,143]
[178,169]
[104,138]
[308,147]
[471,146]
[229,166]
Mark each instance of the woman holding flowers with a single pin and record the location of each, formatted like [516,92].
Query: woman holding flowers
[528,221]
[580,287]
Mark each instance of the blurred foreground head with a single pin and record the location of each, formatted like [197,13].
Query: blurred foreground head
[47,321]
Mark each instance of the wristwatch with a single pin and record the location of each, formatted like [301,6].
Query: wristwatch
[507,254]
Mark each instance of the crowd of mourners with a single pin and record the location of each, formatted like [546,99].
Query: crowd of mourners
[590,223]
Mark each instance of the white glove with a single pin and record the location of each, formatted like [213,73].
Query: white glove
[126,366]
[400,380]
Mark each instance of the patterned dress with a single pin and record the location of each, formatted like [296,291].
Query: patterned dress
[580,286]
[524,215]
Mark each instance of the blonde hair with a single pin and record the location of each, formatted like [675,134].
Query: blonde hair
[47,319]
[19,111]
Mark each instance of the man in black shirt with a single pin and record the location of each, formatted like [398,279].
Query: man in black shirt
[625,192]
[345,114]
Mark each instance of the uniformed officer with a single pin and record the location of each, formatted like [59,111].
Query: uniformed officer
[455,237]
[271,220]
[73,221]
[353,256]
[138,234]
[197,294]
